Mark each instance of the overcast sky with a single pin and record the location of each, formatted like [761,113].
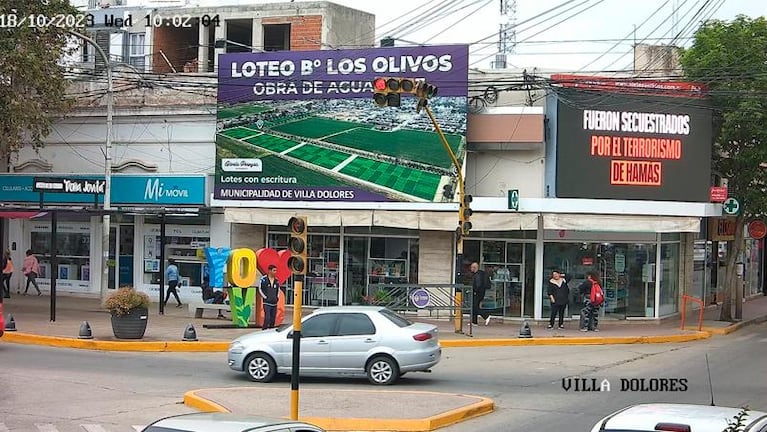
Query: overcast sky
[604,19]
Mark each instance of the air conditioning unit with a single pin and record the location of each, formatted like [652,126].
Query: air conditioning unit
[104,4]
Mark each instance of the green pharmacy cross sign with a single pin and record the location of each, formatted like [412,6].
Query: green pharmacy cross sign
[514,199]
[731,206]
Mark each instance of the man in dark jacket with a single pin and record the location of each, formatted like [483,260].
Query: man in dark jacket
[559,294]
[269,290]
[480,283]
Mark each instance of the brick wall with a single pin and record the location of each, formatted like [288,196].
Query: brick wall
[178,44]
[305,31]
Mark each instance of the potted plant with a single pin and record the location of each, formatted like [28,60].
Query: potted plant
[129,309]
[357,296]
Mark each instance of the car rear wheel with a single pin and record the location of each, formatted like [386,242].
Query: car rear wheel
[260,367]
[383,371]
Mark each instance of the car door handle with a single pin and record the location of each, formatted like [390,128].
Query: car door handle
[322,342]
[369,340]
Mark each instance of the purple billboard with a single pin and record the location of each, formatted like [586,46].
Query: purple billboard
[303,126]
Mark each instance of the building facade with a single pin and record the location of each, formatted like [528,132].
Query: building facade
[643,245]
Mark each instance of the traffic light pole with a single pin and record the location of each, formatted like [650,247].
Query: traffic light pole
[298,288]
[459,237]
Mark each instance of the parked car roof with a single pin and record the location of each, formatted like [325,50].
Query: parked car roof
[224,422]
[700,418]
[350,308]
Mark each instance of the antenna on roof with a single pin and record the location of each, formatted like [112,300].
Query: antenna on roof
[710,385]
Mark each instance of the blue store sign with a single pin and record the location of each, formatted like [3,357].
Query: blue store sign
[126,189]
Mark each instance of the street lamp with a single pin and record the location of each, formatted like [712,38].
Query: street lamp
[106,218]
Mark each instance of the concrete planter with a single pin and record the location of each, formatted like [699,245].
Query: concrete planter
[131,325]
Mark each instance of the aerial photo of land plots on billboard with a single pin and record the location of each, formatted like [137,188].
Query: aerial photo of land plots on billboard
[303,126]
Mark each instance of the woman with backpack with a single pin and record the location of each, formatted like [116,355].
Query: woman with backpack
[593,298]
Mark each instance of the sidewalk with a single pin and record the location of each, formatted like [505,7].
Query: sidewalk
[165,332]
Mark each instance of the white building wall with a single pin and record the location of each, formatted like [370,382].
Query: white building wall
[163,142]
[493,173]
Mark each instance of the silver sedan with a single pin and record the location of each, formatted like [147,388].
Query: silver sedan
[367,341]
[224,422]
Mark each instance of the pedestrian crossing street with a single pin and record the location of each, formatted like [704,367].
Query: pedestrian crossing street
[68,427]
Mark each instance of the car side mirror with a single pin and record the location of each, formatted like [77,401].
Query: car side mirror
[290,334]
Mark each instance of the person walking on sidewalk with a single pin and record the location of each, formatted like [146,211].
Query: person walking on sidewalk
[480,283]
[31,269]
[269,290]
[558,293]
[171,273]
[7,273]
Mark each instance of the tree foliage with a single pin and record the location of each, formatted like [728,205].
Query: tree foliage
[731,59]
[33,85]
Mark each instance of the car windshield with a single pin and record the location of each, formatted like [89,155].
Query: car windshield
[398,320]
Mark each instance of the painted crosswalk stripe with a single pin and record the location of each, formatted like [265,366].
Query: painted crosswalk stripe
[760,340]
[745,337]
[93,428]
[46,427]
[3,428]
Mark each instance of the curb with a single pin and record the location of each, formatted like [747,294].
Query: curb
[607,340]
[100,345]
[173,346]
[481,407]
[734,327]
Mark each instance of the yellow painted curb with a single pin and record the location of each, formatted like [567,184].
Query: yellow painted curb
[481,407]
[173,346]
[607,340]
[201,404]
[100,345]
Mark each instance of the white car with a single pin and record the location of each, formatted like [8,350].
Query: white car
[225,422]
[367,341]
[678,418]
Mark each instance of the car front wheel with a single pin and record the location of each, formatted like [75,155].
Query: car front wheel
[260,367]
[383,371]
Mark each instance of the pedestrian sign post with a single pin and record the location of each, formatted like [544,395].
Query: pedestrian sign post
[731,206]
[514,199]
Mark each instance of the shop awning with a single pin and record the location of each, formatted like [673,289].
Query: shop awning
[417,220]
[620,223]
[21,214]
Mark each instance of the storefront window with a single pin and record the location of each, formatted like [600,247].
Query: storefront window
[324,256]
[371,262]
[511,267]
[184,244]
[669,279]
[72,254]
[701,276]
[626,270]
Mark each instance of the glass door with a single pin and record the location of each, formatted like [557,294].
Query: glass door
[355,269]
[125,261]
[111,260]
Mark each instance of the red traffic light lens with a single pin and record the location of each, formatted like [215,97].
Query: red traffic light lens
[296,225]
[379,84]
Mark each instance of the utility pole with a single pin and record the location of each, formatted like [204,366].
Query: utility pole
[107,206]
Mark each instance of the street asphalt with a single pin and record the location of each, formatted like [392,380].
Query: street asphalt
[427,410]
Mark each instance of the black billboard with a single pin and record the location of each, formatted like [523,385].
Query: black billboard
[627,146]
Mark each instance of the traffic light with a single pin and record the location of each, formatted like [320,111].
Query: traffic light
[297,245]
[425,90]
[464,215]
[388,90]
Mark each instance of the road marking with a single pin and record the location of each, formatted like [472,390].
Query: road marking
[3,428]
[93,428]
[138,428]
[46,427]
[760,340]
[745,337]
